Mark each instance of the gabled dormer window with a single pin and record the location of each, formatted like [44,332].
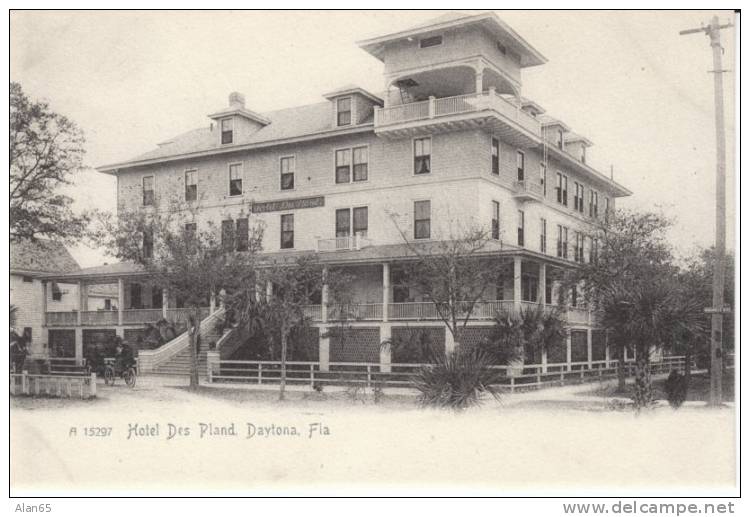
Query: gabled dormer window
[560,140]
[344,111]
[227,132]
[432,41]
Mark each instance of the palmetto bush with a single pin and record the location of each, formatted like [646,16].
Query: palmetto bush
[457,380]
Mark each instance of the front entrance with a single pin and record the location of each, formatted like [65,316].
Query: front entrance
[62,342]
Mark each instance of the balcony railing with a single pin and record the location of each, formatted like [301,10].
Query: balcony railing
[460,104]
[353,242]
[356,312]
[527,189]
[129,317]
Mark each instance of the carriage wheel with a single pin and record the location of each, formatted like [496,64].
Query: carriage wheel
[130,377]
[109,376]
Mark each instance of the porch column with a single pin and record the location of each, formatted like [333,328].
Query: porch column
[324,297]
[386,289]
[568,348]
[81,301]
[478,77]
[324,349]
[164,302]
[606,347]
[44,300]
[589,348]
[120,299]
[542,294]
[269,289]
[385,351]
[544,360]
[517,283]
[79,345]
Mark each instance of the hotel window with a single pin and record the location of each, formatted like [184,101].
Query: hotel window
[421,219]
[107,304]
[343,165]
[148,244]
[191,187]
[496,220]
[359,215]
[235,179]
[242,234]
[561,190]
[579,198]
[495,156]
[562,251]
[422,152]
[578,252]
[521,224]
[360,160]
[430,42]
[594,251]
[593,204]
[342,222]
[227,235]
[344,111]
[560,139]
[543,178]
[520,159]
[148,190]
[543,235]
[227,131]
[287,172]
[287,231]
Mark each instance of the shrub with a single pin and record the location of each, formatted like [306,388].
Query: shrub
[457,380]
[676,387]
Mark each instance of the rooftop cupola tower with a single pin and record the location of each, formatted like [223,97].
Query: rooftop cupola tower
[455,54]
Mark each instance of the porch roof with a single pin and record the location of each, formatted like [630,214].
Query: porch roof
[365,256]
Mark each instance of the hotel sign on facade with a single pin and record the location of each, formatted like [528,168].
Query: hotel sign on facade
[288,204]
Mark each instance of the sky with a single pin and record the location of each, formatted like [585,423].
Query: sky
[625,80]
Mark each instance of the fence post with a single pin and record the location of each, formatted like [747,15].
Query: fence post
[260,372]
[369,373]
[312,375]
[512,384]
[25,382]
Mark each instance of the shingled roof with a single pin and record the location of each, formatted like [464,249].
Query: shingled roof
[41,256]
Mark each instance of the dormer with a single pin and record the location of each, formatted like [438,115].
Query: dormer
[554,131]
[236,123]
[532,108]
[351,106]
[576,145]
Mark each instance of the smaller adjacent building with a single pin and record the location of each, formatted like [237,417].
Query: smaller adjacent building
[32,295]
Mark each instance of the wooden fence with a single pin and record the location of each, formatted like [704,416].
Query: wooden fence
[400,375]
[64,386]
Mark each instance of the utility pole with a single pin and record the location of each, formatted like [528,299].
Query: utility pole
[717,311]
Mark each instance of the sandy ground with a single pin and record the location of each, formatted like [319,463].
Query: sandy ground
[566,438]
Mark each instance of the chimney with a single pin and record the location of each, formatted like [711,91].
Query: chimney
[236,100]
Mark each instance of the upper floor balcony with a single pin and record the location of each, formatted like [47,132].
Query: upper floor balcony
[527,190]
[486,109]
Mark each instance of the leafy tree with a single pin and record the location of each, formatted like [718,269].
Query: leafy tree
[46,149]
[633,281]
[188,262]
[454,274]
[295,283]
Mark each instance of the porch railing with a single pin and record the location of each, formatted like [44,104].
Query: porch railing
[359,311]
[62,319]
[141,315]
[366,374]
[445,106]
[350,242]
[99,318]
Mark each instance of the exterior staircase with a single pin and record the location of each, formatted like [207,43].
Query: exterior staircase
[173,358]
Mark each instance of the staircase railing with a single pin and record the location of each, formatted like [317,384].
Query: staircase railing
[149,360]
